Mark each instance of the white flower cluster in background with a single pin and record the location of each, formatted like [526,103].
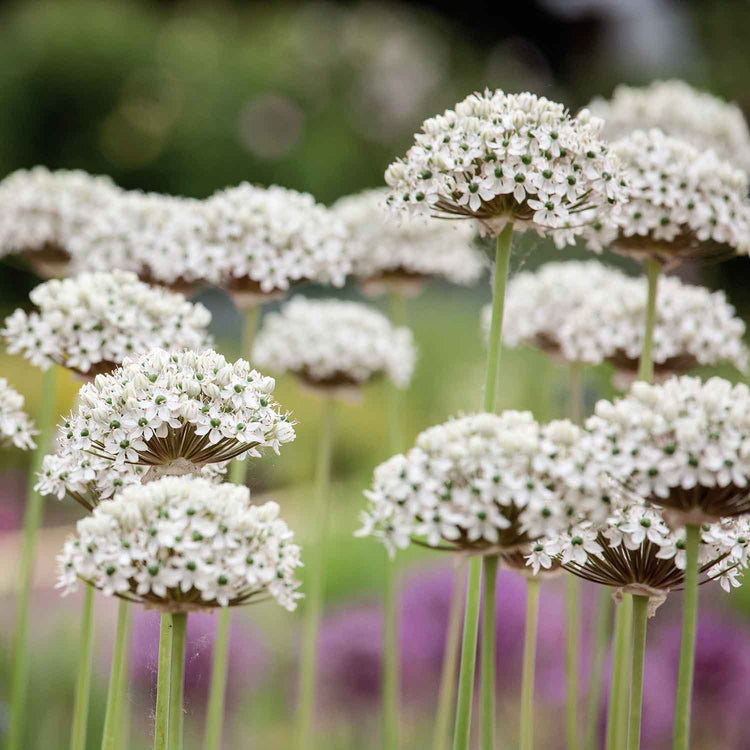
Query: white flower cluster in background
[684,444]
[92,322]
[516,158]
[683,201]
[15,425]
[681,111]
[42,209]
[334,342]
[485,482]
[414,246]
[183,544]
[176,412]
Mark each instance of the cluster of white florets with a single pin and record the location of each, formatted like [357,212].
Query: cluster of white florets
[176,412]
[683,201]
[183,544]
[92,322]
[681,111]
[485,483]
[40,209]
[684,444]
[421,247]
[333,342]
[503,158]
[15,425]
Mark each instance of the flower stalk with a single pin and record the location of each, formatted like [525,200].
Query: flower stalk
[163,679]
[616,714]
[572,661]
[597,670]
[640,620]
[83,680]
[490,565]
[529,664]
[177,681]
[646,368]
[110,735]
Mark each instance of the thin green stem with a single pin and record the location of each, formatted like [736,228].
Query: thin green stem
[177,681]
[83,681]
[646,367]
[572,664]
[217,689]
[19,679]
[617,722]
[446,695]
[250,319]
[122,716]
[112,714]
[640,619]
[488,652]
[617,647]
[163,680]
[576,392]
[597,669]
[529,664]
[687,645]
[315,580]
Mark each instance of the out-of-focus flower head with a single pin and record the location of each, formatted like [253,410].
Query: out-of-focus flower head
[16,427]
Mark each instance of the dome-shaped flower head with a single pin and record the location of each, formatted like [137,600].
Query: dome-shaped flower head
[509,158]
[683,445]
[693,327]
[403,255]
[266,239]
[183,544]
[684,203]
[485,483]
[92,322]
[176,412]
[16,427]
[679,110]
[636,552]
[331,344]
[41,211]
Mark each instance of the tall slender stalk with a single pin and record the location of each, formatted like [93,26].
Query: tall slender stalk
[687,645]
[314,584]
[83,681]
[122,717]
[112,714]
[576,392]
[250,319]
[488,652]
[163,680]
[529,664]
[618,695]
[177,681]
[597,670]
[646,367]
[572,663]
[19,679]
[640,619]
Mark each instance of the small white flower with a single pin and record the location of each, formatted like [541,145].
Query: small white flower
[16,427]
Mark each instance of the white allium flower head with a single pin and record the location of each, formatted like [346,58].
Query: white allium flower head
[16,427]
[42,210]
[92,322]
[184,544]
[501,158]
[681,111]
[175,412]
[266,239]
[331,343]
[683,445]
[485,483]
[684,202]
[392,253]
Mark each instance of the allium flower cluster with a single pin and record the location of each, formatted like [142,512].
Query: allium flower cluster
[334,343]
[15,425]
[678,110]
[92,322]
[485,483]
[412,249]
[683,445]
[41,211]
[502,158]
[176,412]
[684,202]
[184,544]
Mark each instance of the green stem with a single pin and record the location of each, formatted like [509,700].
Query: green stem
[250,319]
[314,584]
[217,689]
[646,367]
[576,392]
[112,714]
[617,713]
[502,262]
[640,619]
[450,662]
[597,670]
[122,716]
[83,681]
[19,679]
[163,680]
[687,646]
[177,680]
[488,652]
[529,664]
[572,665]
